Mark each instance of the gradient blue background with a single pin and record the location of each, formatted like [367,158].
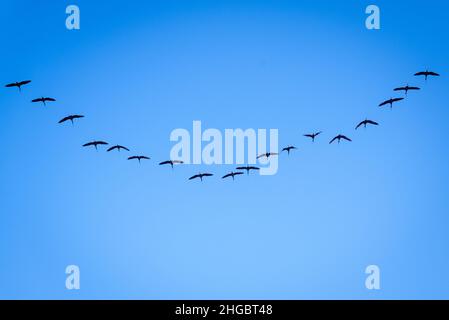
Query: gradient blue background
[139,69]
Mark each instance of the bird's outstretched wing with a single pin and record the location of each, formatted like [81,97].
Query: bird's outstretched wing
[22,83]
[431,73]
[134,158]
[400,89]
[345,138]
[37,100]
[238,173]
[374,123]
[396,99]
[227,175]
[124,148]
[164,163]
[207,174]
[50,99]
[112,148]
[421,73]
[309,135]
[145,158]
[261,156]
[65,119]
[178,161]
[414,88]
[385,103]
[333,140]
[360,124]
[194,177]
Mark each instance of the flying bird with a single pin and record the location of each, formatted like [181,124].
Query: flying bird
[18,84]
[390,102]
[117,147]
[232,174]
[140,158]
[201,176]
[267,155]
[71,118]
[407,88]
[313,135]
[427,73]
[340,137]
[171,162]
[43,100]
[248,168]
[288,149]
[95,144]
[366,122]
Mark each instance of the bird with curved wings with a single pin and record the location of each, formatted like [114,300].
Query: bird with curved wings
[313,135]
[201,176]
[340,137]
[427,73]
[171,162]
[95,144]
[390,102]
[71,118]
[267,155]
[232,174]
[288,149]
[44,100]
[365,123]
[407,88]
[140,158]
[248,168]
[118,148]
[18,84]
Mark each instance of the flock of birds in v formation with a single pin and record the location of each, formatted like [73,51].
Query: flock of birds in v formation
[172,163]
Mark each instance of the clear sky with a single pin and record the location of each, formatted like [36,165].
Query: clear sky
[139,69]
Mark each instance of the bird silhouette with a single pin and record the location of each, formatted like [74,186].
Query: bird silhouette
[313,135]
[427,73]
[95,144]
[407,88]
[268,155]
[248,168]
[44,100]
[390,102]
[18,84]
[288,149]
[140,158]
[171,162]
[118,148]
[232,174]
[201,176]
[70,118]
[366,122]
[340,137]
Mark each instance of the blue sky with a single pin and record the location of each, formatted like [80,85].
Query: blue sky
[139,69]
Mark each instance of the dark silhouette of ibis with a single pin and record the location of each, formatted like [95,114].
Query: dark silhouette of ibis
[201,176]
[365,122]
[313,135]
[427,73]
[390,102]
[288,149]
[140,158]
[118,148]
[248,168]
[232,174]
[95,144]
[407,88]
[18,84]
[267,155]
[171,162]
[339,138]
[44,100]
[71,118]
